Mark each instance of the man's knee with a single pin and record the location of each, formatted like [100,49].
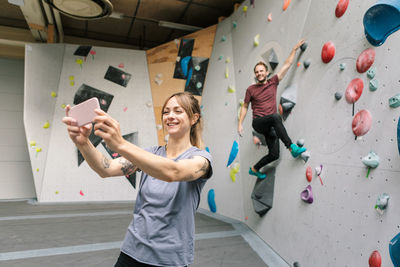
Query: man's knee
[274,154]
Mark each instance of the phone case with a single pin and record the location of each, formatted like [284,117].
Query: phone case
[84,113]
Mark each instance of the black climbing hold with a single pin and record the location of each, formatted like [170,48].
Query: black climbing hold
[307,63]
[338,95]
[303,47]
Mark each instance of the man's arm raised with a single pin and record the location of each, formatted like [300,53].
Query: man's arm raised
[288,62]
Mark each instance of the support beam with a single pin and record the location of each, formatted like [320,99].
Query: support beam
[50,33]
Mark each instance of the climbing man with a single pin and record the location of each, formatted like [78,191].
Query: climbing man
[266,120]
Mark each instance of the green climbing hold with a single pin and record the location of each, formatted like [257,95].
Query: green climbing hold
[373,85]
[342,66]
[371,72]
[394,101]
[223,38]
[199,85]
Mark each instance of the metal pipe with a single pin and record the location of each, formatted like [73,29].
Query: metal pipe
[57,19]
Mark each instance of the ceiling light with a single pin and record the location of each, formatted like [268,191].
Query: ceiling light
[16,2]
[178,26]
[83,9]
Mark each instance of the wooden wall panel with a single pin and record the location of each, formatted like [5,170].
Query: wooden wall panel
[161,61]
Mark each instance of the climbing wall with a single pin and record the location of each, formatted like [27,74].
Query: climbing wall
[341,227]
[70,74]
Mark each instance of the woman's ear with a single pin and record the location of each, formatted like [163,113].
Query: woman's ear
[195,118]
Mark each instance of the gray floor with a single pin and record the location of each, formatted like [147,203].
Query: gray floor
[91,234]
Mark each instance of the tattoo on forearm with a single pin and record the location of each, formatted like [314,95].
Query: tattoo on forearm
[204,167]
[127,167]
[106,163]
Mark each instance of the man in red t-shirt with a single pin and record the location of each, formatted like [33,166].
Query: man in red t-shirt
[266,120]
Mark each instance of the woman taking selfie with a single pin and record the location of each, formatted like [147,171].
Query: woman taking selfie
[162,230]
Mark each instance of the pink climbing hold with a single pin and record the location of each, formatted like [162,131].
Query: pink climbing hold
[286,4]
[354,90]
[328,52]
[362,122]
[121,65]
[270,17]
[365,60]
[341,8]
[81,193]
[309,174]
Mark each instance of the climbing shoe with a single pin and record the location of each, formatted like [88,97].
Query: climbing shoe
[259,175]
[296,151]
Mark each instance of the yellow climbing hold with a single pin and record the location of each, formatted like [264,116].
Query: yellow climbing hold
[71,78]
[72,83]
[46,125]
[37,169]
[226,73]
[38,149]
[257,40]
[53,94]
[57,192]
[228,60]
[231,89]
[234,171]
[245,8]
[32,143]
[79,61]
[63,106]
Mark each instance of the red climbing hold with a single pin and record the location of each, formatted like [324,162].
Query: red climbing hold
[309,174]
[341,8]
[328,52]
[365,60]
[362,122]
[354,90]
[375,259]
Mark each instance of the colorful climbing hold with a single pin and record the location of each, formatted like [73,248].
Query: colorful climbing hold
[307,63]
[81,193]
[362,122]
[233,153]
[338,96]
[309,174]
[303,47]
[211,200]
[231,89]
[220,57]
[394,250]
[63,106]
[234,170]
[342,66]
[371,161]
[373,85]
[256,40]
[226,72]
[270,17]
[354,90]
[394,101]
[38,149]
[382,202]
[223,38]
[286,4]
[121,65]
[228,60]
[32,143]
[371,73]
[375,259]
[381,20]
[328,52]
[46,125]
[234,24]
[307,195]
[318,171]
[365,60]
[53,94]
[245,8]
[341,8]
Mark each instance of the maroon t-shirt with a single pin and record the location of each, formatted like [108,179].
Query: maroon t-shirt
[263,97]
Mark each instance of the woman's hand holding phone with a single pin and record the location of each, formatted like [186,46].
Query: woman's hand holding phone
[79,135]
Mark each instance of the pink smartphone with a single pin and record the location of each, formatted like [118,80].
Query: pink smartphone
[84,113]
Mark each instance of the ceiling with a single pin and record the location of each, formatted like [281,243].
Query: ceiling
[138,25]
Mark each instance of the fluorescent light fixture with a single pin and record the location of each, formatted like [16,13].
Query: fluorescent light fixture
[178,26]
[83,9]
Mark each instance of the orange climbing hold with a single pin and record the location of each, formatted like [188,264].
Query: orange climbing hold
[309,174]
[362,122]
[341,8]
[286,4]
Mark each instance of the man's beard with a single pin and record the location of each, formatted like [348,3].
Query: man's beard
[262,81]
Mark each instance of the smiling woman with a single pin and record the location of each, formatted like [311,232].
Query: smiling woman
[162,230]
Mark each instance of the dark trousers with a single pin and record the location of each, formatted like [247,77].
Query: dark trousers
[272,128]
[126,261]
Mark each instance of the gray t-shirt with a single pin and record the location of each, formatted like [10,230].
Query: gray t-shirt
[162,230]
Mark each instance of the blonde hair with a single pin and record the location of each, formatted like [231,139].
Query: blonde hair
[191,106]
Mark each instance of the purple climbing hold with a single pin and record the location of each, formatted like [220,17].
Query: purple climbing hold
[307,195]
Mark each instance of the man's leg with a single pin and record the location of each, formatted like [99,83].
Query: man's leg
[273,150]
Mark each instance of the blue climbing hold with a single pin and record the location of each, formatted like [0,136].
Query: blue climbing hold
[234,152]
[381,20]
[207,149]
[185,65]
[394,250]
[398,135]
[211,200]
